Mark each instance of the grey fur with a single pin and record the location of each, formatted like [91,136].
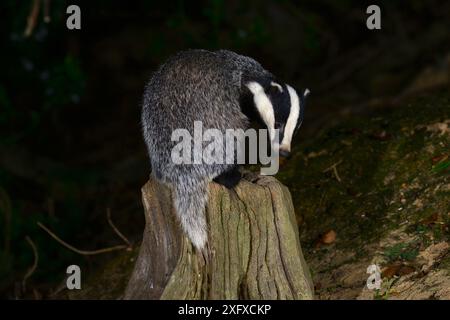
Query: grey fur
[194,85]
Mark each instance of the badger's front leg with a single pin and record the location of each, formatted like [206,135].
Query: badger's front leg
[229,178]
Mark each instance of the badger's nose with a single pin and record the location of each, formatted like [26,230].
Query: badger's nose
[284,153]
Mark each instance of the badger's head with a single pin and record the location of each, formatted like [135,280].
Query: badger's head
[278,106]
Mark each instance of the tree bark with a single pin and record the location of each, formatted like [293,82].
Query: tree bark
[253,250]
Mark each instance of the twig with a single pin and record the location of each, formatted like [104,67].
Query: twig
[82,252]
[61,287]
[32,17]
[35,263]
[333,167]
[37,295]
[47,18]
[336,174]
[120,234]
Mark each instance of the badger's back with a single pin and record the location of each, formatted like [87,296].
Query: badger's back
[194,85]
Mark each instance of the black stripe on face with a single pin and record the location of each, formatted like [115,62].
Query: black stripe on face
[281,103]
[301,116]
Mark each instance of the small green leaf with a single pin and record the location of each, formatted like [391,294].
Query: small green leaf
[441,166]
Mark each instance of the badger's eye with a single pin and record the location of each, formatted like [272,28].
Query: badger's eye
[278,124]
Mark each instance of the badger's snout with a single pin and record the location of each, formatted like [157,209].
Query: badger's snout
[284,152]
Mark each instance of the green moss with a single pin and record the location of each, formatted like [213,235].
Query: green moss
[402,251]
[382,165]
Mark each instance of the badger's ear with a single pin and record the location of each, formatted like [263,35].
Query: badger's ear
[306,93]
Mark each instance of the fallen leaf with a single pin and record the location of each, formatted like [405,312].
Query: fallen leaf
[439,158]
[328,237]
[391,270]
[430,219]
[404,270]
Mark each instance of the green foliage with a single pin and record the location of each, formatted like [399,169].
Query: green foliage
[401,251]
[214,11]
[65,84]
[441,166]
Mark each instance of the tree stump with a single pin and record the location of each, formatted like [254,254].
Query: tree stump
[253,249]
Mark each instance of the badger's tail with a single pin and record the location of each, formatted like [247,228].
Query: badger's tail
[190,200]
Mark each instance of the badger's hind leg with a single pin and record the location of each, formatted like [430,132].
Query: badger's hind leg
[229,178]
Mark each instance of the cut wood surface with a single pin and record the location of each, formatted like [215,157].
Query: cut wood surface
[253,249]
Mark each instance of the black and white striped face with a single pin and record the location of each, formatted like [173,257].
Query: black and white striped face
[280,107]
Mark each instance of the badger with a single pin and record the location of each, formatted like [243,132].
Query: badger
[223,90]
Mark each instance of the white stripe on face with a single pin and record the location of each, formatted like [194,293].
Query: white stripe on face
[292,119]
[264,106]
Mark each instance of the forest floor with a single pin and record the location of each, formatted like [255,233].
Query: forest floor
[376,191]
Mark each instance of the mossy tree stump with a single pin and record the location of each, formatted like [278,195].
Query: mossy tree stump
[253,250]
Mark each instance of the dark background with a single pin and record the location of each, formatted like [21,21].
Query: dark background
[70,141]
